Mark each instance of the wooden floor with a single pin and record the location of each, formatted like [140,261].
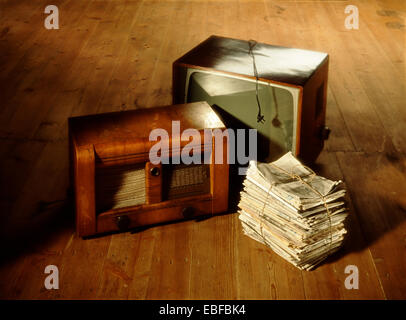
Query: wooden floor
[115,55]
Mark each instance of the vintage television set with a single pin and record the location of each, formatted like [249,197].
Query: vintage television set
[279,91]
[118,186]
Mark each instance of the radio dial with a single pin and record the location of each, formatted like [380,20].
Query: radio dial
[155,171]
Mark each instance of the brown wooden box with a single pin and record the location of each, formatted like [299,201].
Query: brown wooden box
[116,185]
[296,68]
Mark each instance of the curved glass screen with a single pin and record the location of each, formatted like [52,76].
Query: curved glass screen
[234,99]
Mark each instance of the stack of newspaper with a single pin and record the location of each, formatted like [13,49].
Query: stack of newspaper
[298,214]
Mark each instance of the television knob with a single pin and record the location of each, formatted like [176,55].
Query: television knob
[188,212]
[123,222]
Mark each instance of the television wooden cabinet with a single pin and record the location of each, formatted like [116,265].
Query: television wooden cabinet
[290,84]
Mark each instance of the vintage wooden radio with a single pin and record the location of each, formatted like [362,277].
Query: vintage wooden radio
[279,91]
[119,186]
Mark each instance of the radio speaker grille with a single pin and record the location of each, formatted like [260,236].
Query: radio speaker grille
[185,180]
[120,186]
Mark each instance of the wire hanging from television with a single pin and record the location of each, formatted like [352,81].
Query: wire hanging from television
[252,44]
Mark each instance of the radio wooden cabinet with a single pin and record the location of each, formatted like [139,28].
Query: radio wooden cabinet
[119,184]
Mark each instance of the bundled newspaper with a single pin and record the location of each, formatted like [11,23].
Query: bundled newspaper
[298,214]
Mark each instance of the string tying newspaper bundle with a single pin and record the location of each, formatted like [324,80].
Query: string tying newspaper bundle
[299,178]
[298,214]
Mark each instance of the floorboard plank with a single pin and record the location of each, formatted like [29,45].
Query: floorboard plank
[118,55]
[380,212]
[28,78]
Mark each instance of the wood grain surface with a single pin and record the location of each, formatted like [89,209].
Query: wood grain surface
[117,55]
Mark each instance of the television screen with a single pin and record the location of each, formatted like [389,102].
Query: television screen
[234,99]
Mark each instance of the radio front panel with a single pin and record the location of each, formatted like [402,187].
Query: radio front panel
[119,185]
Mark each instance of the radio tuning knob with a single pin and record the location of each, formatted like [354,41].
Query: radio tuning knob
[188,212]
[155,171]
[123,222]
